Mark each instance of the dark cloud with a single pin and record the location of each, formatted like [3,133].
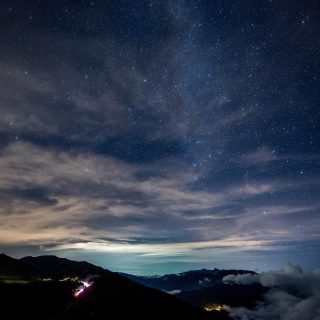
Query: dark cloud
[33,194]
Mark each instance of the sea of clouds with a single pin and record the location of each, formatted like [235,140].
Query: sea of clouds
[292,295]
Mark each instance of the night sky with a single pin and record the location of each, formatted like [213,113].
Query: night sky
[160,136]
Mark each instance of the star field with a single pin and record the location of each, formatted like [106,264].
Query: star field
[160,136]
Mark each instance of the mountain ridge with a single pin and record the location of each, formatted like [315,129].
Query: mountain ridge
[110,295]
[186,281]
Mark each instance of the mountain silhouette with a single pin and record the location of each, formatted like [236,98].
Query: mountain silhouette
[57,268]
[186,281]
[109,296]
[13,270]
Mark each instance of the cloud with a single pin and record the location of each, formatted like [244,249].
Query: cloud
[110,142]
[264,155]
[246,279]
[56,96]
[71,200]
[163,249]
[174,292]
[292,295]
[260,156]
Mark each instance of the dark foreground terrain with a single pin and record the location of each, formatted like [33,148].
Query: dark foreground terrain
[45,288]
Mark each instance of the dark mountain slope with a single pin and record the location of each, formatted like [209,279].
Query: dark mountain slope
[118,298]
[111,296]
[229,294]
[14,270]
[36,300]
[54,267]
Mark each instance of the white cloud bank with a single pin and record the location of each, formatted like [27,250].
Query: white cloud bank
[293,295]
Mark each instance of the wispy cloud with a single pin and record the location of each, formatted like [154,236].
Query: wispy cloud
[71,200]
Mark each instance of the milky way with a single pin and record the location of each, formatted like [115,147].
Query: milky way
[160,136]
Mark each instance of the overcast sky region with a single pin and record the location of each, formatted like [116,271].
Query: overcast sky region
[160,136]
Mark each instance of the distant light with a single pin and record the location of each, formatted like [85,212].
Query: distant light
[46,279]
[215,307]
[81,289]
[78,291]
[86,284]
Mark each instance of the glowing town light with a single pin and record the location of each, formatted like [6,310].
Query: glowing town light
[85,284]
[78,291]
[215,307]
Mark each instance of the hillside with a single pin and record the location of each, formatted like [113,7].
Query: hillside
[12,270]
[109,296]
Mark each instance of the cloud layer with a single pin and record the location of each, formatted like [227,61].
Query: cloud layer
[293,295]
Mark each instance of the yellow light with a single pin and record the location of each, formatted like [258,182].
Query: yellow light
[215,307]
